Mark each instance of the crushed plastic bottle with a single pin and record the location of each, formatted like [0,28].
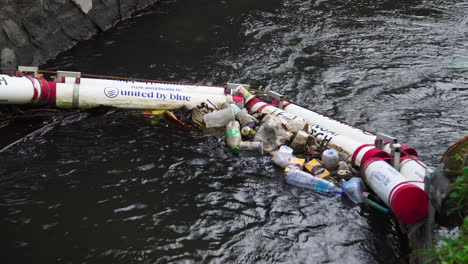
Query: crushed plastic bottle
[303,179]
[273,134]
[282,156]
[353,189]
[233,136]
[254,148]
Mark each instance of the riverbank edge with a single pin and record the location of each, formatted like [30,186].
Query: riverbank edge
[33,31]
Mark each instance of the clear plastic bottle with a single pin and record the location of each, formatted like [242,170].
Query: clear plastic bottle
[353,189]
[303,179]
[233,136]
[245,119]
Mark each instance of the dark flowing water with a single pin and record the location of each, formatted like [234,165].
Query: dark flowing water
[115,189]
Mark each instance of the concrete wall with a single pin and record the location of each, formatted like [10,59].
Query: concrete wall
[32,31]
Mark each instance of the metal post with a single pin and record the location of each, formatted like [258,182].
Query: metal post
[396,153]
[278,96]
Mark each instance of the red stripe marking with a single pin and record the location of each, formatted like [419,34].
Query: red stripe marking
[45,90]
[356,152]
[53,92]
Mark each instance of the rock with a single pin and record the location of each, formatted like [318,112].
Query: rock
[84,5]
[52,5]
[127,7]
[24,56]
[15,33]
[45,33]
[8,58]
[105,15]
[145,3]
[78,27]
[38,29]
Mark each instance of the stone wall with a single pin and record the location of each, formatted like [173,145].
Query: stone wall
[32,31]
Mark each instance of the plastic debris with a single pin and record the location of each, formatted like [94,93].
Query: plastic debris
[255,148]
[282,156]
[353,189]
[330,159]
[219,118]
[299,142]
[233,136]
[315,167]
[303,179]
[295,163]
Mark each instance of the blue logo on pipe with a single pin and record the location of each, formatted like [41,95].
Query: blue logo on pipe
[111,92]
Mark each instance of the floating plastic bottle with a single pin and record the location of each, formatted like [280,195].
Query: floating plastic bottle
[246,120]
[248,147]
[303,179]
[233,136]
[282,156]
[330,159]
[353,189]
[236,109]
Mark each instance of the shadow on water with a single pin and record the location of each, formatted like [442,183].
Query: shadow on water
[115,189]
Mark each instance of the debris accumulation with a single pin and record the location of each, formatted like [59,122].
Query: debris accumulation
[306,163]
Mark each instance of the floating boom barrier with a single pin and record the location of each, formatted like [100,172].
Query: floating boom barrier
[393,171]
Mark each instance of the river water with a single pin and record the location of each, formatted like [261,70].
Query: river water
[116,189]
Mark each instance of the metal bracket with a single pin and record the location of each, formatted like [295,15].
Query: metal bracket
[71,74]
[29,69]
[382,137]
[278,96]
[396,153]
[394,146]
[76,88]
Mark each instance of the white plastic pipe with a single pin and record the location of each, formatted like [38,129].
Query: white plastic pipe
[408,201]
[18,90]
[86,92]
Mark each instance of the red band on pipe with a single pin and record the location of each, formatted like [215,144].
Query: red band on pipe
[408,151]
[53,92]
[353,158]
[276,103]
[263,106]
[373,153]
[251,103]
[45,90]
[36,93]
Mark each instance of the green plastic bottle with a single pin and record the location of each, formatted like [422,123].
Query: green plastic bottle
[233,136]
